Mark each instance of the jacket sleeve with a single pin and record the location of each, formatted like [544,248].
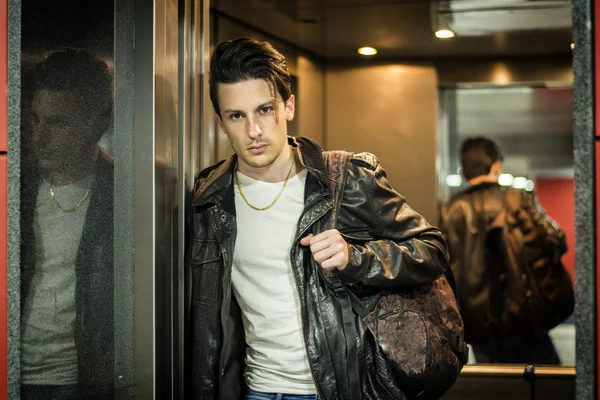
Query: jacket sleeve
[405,250]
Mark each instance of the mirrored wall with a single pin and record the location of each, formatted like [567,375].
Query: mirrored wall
[533,127]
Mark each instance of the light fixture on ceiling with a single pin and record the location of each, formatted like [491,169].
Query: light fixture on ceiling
[530,185]
[444,33]
[505,180]
[367,51]
[572,46]
[454,180]
[519,182]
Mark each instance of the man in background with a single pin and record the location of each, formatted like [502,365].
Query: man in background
[67,336]
[494,292]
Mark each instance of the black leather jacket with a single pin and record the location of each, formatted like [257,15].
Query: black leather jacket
[390,246]
[468,251]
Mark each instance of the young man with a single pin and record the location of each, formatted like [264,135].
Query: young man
[67,189]
[264,324]
[490,282]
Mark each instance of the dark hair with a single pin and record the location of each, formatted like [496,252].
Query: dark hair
[245,59]
[78,71]
[477,156]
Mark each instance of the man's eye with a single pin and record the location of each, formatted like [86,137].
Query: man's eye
[266,110]
[235,117]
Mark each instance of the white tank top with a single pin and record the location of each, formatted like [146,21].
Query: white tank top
[264,285]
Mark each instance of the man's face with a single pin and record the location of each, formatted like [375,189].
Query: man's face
[62,130]
[255,122]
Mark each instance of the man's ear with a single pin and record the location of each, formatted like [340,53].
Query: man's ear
[290,108]
[218,120]
[496,169]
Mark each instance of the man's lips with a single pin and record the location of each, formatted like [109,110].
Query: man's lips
[259,148]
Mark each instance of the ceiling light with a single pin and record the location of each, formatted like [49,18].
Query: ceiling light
[367,51]
[505,180]
[444,34]
[530,185]
[453,180]
[519,182]
[572,46]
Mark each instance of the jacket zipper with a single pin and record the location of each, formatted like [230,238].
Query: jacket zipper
[312,374]
[298,286]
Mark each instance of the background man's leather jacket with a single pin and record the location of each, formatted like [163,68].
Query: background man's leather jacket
[390,246]
[481,204]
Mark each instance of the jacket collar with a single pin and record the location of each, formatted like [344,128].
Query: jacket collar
[219,178]
[480,186]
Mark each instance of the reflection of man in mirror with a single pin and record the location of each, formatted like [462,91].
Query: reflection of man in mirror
[495,289]
[67,231]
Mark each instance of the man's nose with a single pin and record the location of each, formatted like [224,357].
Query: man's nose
[254,129]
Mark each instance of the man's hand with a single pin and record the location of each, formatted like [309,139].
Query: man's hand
[328,248]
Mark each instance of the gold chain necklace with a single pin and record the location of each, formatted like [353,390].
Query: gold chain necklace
[289,175]
[69,209]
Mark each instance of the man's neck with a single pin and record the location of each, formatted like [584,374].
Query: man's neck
[67,176]
[483,179]
[278,171]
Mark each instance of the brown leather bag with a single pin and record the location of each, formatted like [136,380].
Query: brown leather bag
[538,291]
[418,331]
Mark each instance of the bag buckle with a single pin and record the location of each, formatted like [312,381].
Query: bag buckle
[337,285]
[460,347]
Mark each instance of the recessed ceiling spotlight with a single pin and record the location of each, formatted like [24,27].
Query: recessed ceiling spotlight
[444,34]
[367,51]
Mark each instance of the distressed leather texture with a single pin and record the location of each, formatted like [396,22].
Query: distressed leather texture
[419,330]
[408,251]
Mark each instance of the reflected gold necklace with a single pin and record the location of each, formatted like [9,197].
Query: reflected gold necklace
[289,175]
[72,209]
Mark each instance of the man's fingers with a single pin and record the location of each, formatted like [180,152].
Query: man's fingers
[305,241]
[338,261]
[324,254]
[318,246]
[328,248]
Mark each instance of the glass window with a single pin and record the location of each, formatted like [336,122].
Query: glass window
[71,342]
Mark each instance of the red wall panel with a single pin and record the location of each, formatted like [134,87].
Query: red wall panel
[557,196]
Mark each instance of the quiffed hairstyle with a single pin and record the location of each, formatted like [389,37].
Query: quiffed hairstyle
[477,156]
[246,59]
[78,71]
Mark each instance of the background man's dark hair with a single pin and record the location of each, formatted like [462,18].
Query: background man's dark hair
[246,59]
[78,71]
[477,156]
